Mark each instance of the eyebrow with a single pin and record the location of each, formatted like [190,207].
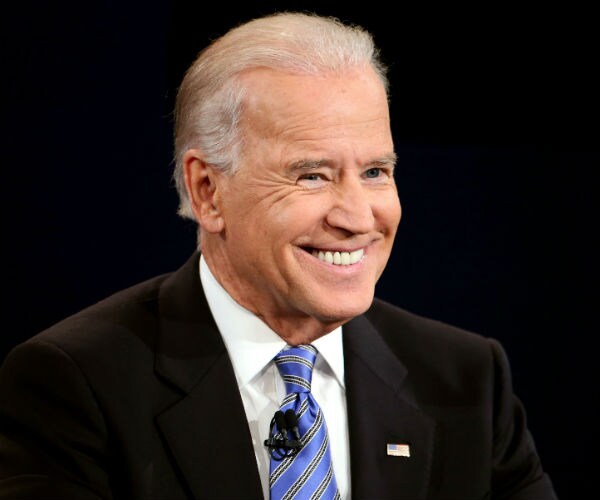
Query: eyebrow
[309,165]
[389,159]
[306,165]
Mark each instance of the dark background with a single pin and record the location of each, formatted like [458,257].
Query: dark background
[495,119]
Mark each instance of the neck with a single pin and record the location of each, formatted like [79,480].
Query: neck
[294,328]
[300,331]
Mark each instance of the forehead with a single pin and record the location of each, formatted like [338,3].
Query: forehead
[309,112]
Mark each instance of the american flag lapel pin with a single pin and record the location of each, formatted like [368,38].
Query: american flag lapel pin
[398,450]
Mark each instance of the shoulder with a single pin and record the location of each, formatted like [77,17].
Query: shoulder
[131,309]
[90,352]
[118,332]
[430,346]
[122,330]
[398,325]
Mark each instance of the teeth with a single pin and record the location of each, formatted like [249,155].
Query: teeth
[339,258]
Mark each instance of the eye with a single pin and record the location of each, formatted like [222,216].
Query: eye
[373,173]
[312,180]
[311,177]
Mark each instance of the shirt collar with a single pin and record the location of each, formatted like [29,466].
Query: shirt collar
[251,344]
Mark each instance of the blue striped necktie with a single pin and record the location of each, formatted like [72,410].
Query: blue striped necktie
[309,473]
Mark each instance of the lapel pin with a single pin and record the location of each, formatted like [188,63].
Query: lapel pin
[398,450]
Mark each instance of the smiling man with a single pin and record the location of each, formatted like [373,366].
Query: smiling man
[301,233]
[264,367]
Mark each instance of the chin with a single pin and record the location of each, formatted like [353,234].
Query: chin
[343,311]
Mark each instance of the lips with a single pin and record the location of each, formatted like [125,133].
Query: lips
[339,258]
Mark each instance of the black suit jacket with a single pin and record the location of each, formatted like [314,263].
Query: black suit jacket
[135,398]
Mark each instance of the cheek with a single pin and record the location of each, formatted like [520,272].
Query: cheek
[267,232]
[298,216]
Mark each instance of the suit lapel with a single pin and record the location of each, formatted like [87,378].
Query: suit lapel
[382,410]
[205,427]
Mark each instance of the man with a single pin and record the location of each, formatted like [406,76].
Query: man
[170,390]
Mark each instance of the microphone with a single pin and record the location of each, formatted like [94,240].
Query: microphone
[280,420]
[279,445]
[292,422]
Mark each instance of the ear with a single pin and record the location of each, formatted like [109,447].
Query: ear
[201,182]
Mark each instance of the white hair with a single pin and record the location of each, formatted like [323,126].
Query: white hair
[209,100]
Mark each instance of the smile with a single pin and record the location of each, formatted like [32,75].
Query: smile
[339,258]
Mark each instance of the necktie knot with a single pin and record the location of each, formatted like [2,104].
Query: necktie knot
[295,366]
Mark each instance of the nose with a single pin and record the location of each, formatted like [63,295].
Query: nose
[352,208]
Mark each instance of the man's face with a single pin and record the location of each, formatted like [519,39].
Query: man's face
[311,215]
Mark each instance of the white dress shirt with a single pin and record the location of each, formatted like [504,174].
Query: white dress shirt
[251,345]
